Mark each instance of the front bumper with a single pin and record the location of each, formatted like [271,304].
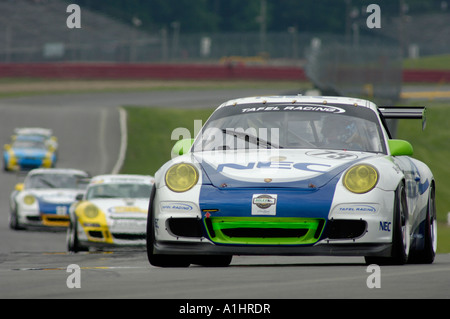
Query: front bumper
[112,236]
[53,220]
[321,249]
[269,236]
[305,223]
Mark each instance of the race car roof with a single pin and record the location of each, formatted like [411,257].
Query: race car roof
[300,99]
[70,171]
[33,130]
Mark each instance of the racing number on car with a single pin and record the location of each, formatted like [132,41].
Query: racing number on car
[61,210]
[332,154]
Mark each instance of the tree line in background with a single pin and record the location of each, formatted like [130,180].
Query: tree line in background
[331,16]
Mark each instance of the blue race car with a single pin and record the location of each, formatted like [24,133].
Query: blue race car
[28,152]
[294,175]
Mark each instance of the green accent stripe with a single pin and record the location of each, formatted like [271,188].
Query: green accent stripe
[221,224]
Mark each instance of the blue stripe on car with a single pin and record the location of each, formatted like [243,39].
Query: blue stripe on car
[50,208]
[310,198]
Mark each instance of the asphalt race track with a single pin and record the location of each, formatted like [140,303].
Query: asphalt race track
[35,264]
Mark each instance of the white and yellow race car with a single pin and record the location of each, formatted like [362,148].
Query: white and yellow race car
[112,212]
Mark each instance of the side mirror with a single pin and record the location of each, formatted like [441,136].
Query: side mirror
[79,197]
[400,148]
[19,187]
[182,147]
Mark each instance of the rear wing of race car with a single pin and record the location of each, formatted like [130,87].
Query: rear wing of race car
[404,112]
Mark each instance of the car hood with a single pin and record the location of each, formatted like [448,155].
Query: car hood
[56,196]
[122,206]
[276,168]
[22,152]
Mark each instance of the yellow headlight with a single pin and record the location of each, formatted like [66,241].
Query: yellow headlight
[29,199]
[91,211]
[181,177]
[361,178]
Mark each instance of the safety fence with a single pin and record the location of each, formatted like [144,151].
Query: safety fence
[183,71]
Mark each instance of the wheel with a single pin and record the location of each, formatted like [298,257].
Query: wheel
[159,260]
[428,253]
[73,244]
[14,221]
[5,166]
[401,233]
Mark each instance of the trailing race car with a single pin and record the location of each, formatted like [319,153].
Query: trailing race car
[44,133]
[294,175]
[112,212]
[27,152]
[45,197]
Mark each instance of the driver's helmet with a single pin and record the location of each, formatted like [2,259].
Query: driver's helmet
[338,129]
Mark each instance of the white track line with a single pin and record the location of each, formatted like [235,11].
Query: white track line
[123,141]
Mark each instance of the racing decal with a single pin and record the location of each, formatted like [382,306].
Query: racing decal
[318,174]
[414,185]
[173,207]
[385,226]
[332,155]
[53,208]
[62,210]
[357,208]
[305,107]
[264,204]
[126,209]
[237,200]
[309,167]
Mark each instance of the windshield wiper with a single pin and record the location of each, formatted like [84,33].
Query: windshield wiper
[46,182]
[244,136]
[105,196]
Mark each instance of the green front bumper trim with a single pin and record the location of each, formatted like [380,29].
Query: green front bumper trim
[264,230]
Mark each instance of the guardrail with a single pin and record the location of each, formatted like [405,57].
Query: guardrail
[426,76]
[182,71]
[157,71]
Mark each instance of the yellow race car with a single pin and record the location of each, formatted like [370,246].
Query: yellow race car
[112,212]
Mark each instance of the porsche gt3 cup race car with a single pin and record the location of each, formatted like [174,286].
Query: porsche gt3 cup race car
[45,197]
[294,175]
[44,133]
[113,212]
[27,152]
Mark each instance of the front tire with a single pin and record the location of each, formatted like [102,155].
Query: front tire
[14,221]
[159,260]
[73,243]
[401,237]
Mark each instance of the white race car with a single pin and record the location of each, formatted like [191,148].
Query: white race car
[112,212]
[294,175]
[45,197]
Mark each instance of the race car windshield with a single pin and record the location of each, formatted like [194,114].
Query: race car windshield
[292,130]
[118,191]
[29,144]
[44,181]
